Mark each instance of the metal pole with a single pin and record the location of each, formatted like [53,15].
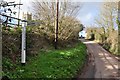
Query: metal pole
[0,44]
[56,26]
[19,13]
[23,54]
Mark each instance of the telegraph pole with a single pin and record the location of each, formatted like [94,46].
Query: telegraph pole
[56,26]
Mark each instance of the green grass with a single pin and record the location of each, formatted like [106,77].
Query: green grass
[53,64]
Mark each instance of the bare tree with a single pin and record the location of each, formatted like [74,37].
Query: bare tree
[68,24]
[107,20]
[107,17]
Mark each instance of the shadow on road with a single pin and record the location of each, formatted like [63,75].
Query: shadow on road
[101,64]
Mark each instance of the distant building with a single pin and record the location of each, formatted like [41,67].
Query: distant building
[82,34]
[27,16]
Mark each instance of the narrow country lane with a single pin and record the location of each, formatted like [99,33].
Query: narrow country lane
[104,64]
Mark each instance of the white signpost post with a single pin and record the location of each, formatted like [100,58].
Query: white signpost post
[23,54]
[24,24]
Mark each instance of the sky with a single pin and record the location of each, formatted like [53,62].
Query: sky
[88,12]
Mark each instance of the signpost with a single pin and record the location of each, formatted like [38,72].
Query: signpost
[23,54]
[24,24]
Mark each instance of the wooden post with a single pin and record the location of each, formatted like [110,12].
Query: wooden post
[56,26]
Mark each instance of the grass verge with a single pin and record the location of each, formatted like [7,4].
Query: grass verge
[52,64]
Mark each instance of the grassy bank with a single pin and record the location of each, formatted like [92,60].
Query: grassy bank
[53,64]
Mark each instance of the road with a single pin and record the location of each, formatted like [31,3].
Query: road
[102,64]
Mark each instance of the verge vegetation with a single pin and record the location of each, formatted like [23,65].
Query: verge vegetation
[50,64]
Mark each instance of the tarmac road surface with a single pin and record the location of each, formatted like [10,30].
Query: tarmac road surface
[102,65]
